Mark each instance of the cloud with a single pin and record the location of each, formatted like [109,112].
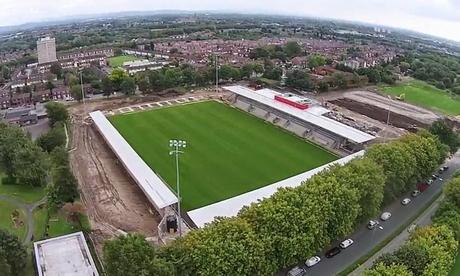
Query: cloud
[436,17]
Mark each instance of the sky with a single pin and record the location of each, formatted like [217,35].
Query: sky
[436,17]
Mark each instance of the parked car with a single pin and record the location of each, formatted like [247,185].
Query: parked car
[346,243]
[385,216]
[406,201]
[434,176]
[332,252]
[312,261]
[422,187]
[415,193]
[297,271]
[445,168]
[372,224]
[429,181]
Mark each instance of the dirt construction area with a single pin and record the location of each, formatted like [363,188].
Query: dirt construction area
[113,201]
[377,107]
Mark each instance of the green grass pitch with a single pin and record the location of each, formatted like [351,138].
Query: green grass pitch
[229,152]
[425,95]
[119,60]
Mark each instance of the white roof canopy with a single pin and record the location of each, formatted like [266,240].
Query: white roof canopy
[153,187]
[230,207]
[331,125]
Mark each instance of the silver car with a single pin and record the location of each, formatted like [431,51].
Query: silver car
[312,261]
[385,216]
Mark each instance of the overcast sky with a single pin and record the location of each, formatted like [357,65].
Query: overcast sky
[436,17]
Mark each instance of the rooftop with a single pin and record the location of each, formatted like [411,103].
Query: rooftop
[65,255]
[157,192]
[342,130]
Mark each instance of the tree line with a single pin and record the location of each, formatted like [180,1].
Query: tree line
[294,223]
[43,163]
[440,70]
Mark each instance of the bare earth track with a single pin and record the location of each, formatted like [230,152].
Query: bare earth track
[112,199]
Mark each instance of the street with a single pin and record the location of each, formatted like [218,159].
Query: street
[365,240]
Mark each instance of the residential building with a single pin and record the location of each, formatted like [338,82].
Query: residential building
[46,50]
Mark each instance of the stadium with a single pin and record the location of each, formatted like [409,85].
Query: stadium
[239,150]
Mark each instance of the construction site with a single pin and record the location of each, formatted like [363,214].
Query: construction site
[116,205]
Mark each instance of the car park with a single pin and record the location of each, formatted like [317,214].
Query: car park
[372,224]
[312,261]
[346,243]
[297,271]
[406,201]
[385,216]
[332,252]
[415,193]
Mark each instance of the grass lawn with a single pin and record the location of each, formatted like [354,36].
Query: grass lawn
[40,219]
[118,60]
[26,194]
[6,222]
[456,269]
[229,152]
[425,95]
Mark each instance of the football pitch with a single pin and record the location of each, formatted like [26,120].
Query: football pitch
[229,152]
[119,60]
[425,95]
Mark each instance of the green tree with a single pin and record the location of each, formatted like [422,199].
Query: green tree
[227,247]
[75,91]
[440,245]
[4,266]
[117,76]
[132,255]
[11,139]
[316,60]
[298,79]
[55,137]
[414,258]
[292,49]
[144,85]
[398,165]
[452,191]
[59,156]
[64,187]
[390,270]
[273,73]
[446,135]
[340,80]
[107,87]
[13,252]
[31,165]
[57,113]
[128,86]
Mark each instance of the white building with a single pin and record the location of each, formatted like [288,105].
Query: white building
[46,50]
[65,255]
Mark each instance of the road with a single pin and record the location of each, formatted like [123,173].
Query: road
[423,220]
[366,240]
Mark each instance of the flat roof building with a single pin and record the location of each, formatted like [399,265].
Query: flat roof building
[65,255]
[46,50]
